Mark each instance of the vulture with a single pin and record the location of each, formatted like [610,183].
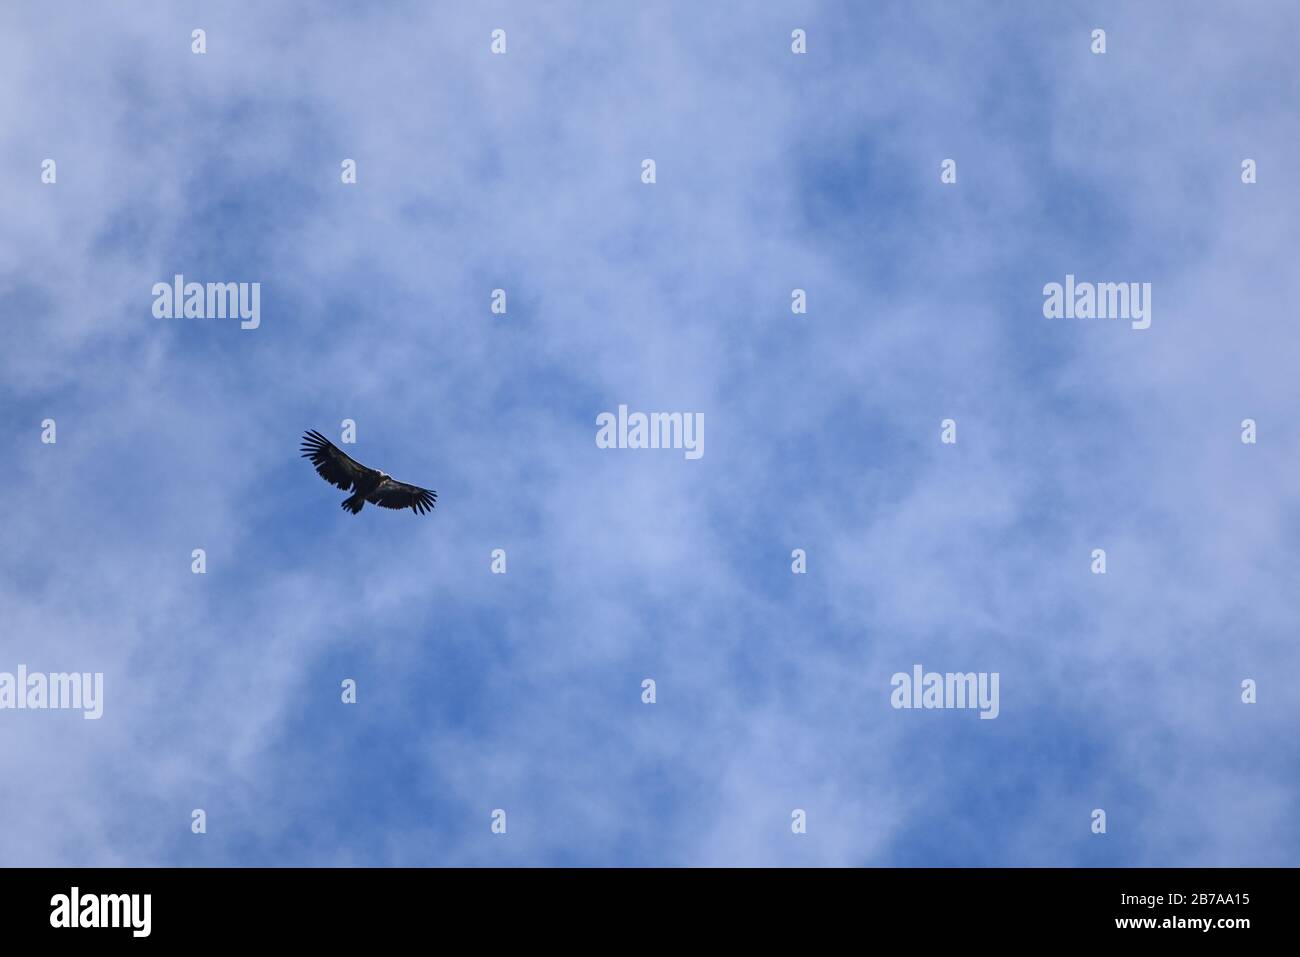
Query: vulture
[366,484]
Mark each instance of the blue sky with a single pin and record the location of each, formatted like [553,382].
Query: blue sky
[774,172]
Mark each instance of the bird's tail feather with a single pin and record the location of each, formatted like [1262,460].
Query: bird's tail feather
[354,502]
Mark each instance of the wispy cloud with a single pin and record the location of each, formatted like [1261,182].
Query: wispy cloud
[522,691]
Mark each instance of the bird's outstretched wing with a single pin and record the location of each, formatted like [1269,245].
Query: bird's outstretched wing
[332,464]
[394,494]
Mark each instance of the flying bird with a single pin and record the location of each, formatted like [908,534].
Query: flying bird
[366,484]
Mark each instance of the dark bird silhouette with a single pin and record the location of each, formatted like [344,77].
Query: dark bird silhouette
[366,484]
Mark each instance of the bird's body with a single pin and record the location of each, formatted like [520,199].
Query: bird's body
[366,484]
